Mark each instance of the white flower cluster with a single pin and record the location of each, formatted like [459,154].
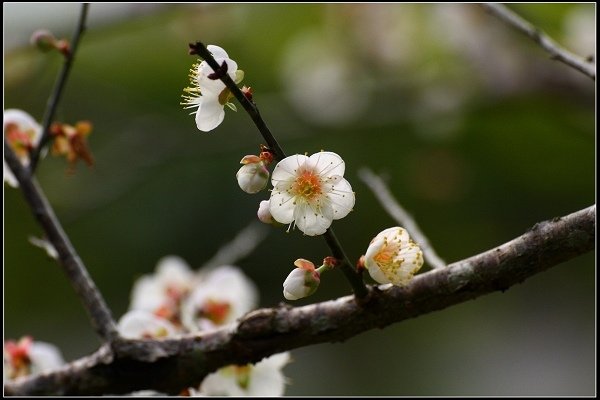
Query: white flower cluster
[176,300]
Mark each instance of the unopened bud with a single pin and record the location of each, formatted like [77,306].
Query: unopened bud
[253,177]
[302,281]
[43,39]
[247,91]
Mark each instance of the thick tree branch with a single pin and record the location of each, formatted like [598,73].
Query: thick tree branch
[353,277]
[54,99]
[539,37]
[68,258]
[400,215]
[170,365]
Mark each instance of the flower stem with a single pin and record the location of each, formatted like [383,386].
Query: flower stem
[358,286]
[54,99]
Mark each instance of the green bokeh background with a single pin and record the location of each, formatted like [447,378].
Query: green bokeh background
[479,134]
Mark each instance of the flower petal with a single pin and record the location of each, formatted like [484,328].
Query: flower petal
[285,170]
[327,163]
[282,206]
[210,113]
[312,221]
[214,86]
[217,51]
[342,198]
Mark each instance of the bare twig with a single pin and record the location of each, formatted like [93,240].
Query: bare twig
[242,244]
[170,365]
[355,279]
[398,213]
[58,89]
[543,40]
[68,258]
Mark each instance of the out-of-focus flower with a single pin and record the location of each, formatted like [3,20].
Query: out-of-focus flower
[311,192]
[22,133]
[265,378]
[140,324]
[208,93]
[302,281]
[70,141]
[219,298]
[27,357]
[163,292]
[253,176]
[392,257]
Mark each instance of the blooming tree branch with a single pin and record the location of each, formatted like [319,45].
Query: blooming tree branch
[54,99]
[345,265]
[68,258]
[544,41]
[400,215]
[169,365]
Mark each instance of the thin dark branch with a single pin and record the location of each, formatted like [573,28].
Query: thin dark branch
[398,213]
[170,365]
[539,37]
[354,278]
[68,258]
[56,95]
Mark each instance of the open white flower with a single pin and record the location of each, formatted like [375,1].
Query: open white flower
[209,95]
[310,191]
[163,292]
[22,133]
[221,296]
[27,357]
[392,257]
[264,379]
[140,324]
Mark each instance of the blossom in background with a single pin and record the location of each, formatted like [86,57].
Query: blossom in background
[310,191]
[392,257]
[302,281]
[140,324]
[27,357]
[22,133]
[220,297]
[264,378]
[70,141]
[208,95]
[163,292]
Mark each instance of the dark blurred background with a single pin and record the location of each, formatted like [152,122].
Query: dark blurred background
[478,132]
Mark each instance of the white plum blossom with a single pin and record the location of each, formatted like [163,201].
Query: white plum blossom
[22,133]
[163,292]
[302,281]
[28,357]
[219,298]
[210,95]
[140,324]
[310,192]
[264,379]
[392,257]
